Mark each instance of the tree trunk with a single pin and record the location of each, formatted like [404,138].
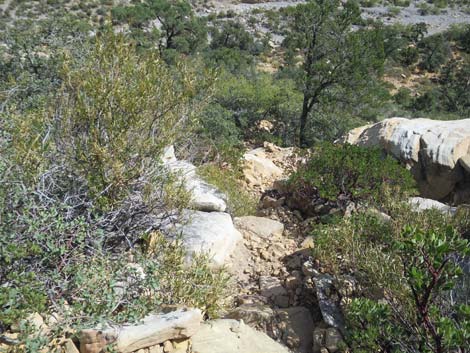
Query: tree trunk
[303,122]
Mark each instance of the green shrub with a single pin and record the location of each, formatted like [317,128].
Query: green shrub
[405,267]
[409,55]
[118,110]
[394,11]
[368,3]
[83,189]
[454,88]
[352,172]
[47,260]
[57,257]
[260,97]
[403,97]
[402,3]
[427,101]
[424,317]
[426,9]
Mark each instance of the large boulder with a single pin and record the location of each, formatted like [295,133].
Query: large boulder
[212,233]
[231,336]
[298,330]
[438,152]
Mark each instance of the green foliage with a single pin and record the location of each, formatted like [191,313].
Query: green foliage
[338,64]
[232,34]
[227,180]
[118,111]
[83,187]
[405,266]
[219,131]
[403,97]
[32,55]
[136,16]
[461,34]
[428,101]
[50,263]
[180,31]
[429,270]
[435,51]
[454,87]
[260,97]
[352,172]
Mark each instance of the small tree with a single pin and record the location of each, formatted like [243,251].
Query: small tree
[181,29]
[338,63]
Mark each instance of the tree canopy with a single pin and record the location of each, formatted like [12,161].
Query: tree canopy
[338,62]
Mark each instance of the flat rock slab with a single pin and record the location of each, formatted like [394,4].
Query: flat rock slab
[231,336]
[204,196]
[262,227]
[153,330]
[330,310]
[210,233]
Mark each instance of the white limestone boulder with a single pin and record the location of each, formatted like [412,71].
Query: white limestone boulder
[438,152]
[258,168]
[210,233]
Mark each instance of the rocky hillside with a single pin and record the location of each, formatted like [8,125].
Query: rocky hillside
[224,176]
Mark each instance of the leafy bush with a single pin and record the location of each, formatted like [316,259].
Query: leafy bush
[49,264]
[83,190]
[233,35]
[424,317]
[406,268]
[427,101]
[454,88]
[260,97]
[117,112]
[409,55]
[403,97]
[352,172]
[32,57]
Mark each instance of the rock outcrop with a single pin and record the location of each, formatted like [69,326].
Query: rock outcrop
[437,152]
[263,227]
[205,228]
[265,165]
